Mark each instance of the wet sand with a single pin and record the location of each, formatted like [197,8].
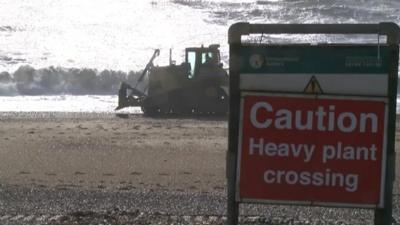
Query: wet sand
[103,151]
[118,152]
[107,151]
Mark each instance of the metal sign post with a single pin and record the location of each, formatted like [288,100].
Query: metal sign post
[312,125]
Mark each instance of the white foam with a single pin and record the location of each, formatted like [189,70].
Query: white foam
[72,103]
[63,103]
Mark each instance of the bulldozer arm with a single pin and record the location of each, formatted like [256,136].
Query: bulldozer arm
[135,98]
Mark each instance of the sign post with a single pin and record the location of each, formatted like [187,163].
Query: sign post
[312,125]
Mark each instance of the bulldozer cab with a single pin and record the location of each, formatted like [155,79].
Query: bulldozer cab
[202,57]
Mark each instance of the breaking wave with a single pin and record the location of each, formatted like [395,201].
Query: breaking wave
[57,81]
[296,11]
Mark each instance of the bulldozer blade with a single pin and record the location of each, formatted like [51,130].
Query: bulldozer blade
[119,107]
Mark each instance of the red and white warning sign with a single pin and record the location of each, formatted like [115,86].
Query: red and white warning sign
[312,150]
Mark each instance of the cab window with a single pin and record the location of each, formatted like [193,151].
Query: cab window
[192,61]
[206,57]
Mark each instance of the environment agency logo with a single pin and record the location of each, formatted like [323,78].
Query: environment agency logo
[256,61]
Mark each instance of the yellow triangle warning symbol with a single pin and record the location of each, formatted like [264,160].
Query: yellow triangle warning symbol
[313,87]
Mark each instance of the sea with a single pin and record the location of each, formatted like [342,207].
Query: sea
[71,55]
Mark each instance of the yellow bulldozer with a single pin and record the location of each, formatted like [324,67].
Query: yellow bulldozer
[199,86]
